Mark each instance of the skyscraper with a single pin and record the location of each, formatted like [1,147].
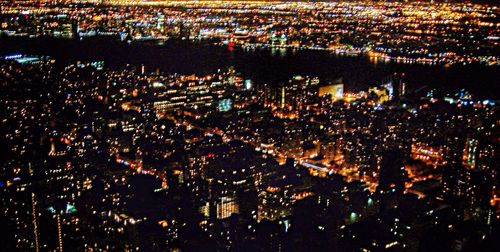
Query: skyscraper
[391,178]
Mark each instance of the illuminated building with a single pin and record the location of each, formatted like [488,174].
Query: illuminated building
[401,88]
[395,86]
[224,105]
[27,60]
[470,153]
[193,96]
[335,91]
[273,204]
[248,84]
[389,86]
[19,214]
[427,154]
[350,97]
[283,97]
[381,94]
[226,206]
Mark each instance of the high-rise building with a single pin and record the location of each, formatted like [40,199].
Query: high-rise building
[226,206]
[469,157]
[391,178]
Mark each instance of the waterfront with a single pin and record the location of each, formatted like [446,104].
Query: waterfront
[261,65]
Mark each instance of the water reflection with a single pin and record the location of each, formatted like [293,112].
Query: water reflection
[269,65]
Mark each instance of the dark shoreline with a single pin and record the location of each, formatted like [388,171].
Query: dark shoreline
[261,65]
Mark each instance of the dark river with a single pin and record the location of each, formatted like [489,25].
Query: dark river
[261,65]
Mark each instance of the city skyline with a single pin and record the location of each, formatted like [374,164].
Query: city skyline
[249,126]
